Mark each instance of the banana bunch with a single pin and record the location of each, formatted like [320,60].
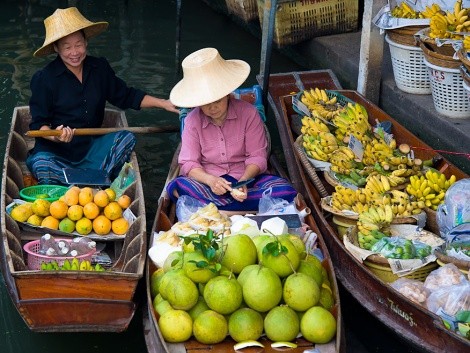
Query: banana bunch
[318,103]
[313,126]
[377,185]
[352,120]
[407,165]
[405,11]
[320,147]
[373,225]
[430,11]
[344,198]
[403,206]
[342,160]
[377,151]
[430,188]
[74,265]
[458,20]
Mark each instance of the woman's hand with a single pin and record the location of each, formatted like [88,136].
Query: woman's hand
[219,186]
[66,134]
[240,194]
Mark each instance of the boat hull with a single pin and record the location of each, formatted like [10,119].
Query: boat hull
[69,301]
[411,322]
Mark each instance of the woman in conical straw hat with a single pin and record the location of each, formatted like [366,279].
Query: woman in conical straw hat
[224,139]
[71,92]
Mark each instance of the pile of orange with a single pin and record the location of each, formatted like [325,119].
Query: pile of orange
[85,210]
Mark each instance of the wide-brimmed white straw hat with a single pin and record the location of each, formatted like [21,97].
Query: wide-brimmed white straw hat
[64,22]
[207,77]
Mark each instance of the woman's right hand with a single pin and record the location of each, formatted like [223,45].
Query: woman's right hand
[219,186]
[66,134]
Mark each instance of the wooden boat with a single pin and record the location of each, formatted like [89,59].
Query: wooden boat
[69,301]
[411,322]
[165,217]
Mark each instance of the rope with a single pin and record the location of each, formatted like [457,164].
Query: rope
[443,151]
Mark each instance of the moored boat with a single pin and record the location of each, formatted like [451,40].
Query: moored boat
[411,322]
[69,301]
[164,219]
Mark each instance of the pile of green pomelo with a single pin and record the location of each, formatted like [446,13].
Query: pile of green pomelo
[243,287]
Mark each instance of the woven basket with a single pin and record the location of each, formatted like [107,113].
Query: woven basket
[247,10]
[442,259]
[439,58]
[299,20]
[381,268]
[463,56]
[465,73]
[404,35]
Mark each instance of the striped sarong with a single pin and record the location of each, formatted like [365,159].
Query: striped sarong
[280,188]
[108,152]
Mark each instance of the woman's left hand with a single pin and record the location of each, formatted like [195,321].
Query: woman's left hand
[240,194]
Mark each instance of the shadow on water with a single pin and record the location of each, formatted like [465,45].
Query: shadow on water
[140,45]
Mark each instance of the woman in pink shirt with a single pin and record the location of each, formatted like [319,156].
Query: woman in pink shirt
[224,139]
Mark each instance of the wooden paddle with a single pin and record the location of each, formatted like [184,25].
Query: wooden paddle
[104,130]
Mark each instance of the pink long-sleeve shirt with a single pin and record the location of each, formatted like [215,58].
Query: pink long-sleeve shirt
[226,149]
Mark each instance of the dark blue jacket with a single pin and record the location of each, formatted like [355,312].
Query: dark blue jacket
[59,98]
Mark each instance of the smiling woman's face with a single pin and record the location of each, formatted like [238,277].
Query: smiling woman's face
[72,49]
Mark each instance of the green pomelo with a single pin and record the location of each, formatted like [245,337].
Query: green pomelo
[284,263]
[224,271]
[155,281]
[200,307]
[260,241]
[200,288]
[313,259]
[174,260]
[223,294]
[311,270]
[299,245]
[163,307]
[245,324]
[300,291]
[318,325]
[242,276]
[187,248]
[239,251]
[281,324]
[176,326]
[167,278]
[158,298]
[262,290]
[326,298]
[181,292]
[210,327]
[191,269]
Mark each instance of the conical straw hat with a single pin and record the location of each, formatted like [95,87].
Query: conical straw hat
[64,22]
[207,77]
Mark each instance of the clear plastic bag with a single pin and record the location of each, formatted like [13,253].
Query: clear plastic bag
[271,205]
[125,178]
[401,248]
[450,300]
[445,276]
[413,289]
[186,206]
[456,208]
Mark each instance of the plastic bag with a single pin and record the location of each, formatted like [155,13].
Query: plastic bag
[271,205]
[445,276]
[186,206]
[401,248]
[413,289]
[125,178]
[456,207]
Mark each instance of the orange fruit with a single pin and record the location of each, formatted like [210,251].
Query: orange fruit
[50,222]
[71,196]
[75,212]
[85,196]
[83,226]
[113,211]
[124,201]
[91,210]
[120,226]
[101,225]
[101,198]
[111,194]
[58,209]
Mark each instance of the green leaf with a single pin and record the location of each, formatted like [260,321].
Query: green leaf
[463,316]
[202,264]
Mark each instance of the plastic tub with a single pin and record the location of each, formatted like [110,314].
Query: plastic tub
[410,72]
[448,93]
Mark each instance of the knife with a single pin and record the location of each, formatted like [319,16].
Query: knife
[242,183]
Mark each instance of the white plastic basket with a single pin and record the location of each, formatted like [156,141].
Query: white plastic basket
[410,72]
[448,93]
